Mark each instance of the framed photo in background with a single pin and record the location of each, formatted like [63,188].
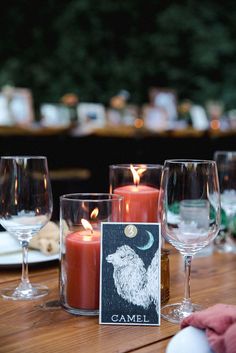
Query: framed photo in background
[165,99]
[54,115]
[91,115]
[124,116]
[5,116]
[16,106]
[155,118]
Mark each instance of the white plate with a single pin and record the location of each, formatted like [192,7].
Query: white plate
[11,254]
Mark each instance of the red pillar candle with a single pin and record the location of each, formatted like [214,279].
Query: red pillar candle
[140,203]
[82,267]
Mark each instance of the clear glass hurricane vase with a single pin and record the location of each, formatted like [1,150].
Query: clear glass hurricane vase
[226,165]
[25,207]
[189,207]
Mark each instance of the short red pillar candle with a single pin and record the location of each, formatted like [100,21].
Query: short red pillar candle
[140,203]
[83,269]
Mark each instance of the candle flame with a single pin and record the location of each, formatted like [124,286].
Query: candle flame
[136,177]
[45,182]
[94,213]
[86,225]
[140,171]
[137,173]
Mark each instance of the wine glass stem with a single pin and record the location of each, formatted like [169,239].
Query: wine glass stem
[25,272]
[187,304]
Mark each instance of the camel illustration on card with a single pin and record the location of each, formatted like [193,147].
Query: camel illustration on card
[133,282]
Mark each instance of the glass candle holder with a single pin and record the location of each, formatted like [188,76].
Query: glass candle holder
[165,276]
[139,185]
[81,216]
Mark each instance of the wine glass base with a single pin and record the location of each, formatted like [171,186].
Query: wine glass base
[175,314]
[33,292]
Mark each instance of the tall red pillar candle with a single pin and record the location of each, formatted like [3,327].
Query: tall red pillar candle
[140,203]
[83,269]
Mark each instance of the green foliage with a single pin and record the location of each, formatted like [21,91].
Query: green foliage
[95,48]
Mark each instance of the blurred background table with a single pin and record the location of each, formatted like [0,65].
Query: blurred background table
[79,163]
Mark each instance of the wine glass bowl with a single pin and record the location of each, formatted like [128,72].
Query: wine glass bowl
[189,207]
[25,208]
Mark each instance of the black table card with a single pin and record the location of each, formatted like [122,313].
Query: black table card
[130,274]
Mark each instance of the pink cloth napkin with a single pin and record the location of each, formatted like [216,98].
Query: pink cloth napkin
[219,322]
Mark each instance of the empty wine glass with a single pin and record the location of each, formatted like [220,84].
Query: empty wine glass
[226,165]
[189,206]
[25,207]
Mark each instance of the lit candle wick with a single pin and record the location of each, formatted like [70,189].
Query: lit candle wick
[136,177]
[87,225]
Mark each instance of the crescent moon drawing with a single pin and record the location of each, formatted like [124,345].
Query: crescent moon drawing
[150,242]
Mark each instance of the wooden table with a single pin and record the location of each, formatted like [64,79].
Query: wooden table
[35,327]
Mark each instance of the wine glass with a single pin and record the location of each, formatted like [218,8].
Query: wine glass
[226,165]
[189,207]
[25,207]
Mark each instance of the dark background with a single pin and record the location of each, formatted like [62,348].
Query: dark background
[94,154]
[95,48]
